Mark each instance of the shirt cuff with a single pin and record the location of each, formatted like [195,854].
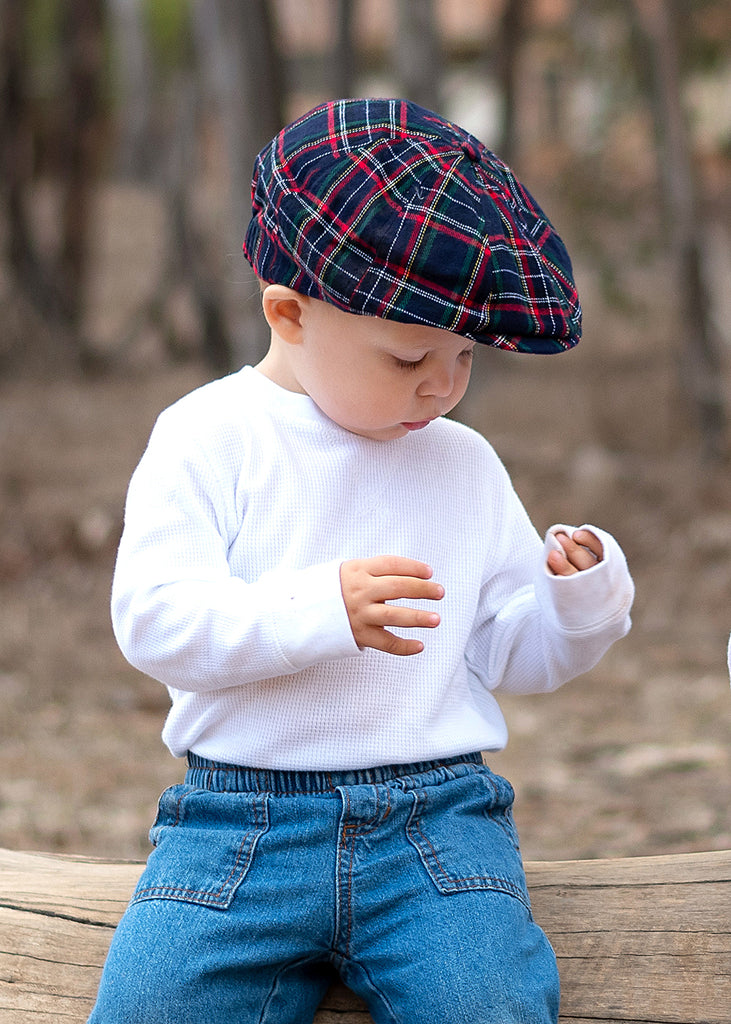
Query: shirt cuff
[589,600]
[310,618]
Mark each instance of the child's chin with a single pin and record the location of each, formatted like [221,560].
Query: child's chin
[381,433]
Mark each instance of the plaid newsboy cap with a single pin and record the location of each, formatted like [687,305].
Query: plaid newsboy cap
[386,209]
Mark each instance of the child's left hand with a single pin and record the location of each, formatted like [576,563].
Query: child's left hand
[581,550]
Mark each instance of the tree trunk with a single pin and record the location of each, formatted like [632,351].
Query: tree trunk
[636,939]
[135,150]
[344,60]
[16,162]
[189,257]
[236,53]
[53,284]
[82,35]
[700,370]
[510,37]
[417,53]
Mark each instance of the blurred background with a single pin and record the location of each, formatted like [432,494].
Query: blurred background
[128,130]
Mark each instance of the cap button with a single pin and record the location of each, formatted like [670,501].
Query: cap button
[471,151]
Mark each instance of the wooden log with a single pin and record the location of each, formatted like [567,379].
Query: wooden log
[643,939]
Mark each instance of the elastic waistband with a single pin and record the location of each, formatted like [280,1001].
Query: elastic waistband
[223,778]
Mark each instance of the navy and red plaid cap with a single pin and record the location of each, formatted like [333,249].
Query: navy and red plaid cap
[385,209]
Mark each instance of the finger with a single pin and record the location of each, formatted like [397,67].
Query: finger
[382,640]
[360,587]
[559,564]
[396,565]
[405,618]
[394,588]
[578,555]
[589,540]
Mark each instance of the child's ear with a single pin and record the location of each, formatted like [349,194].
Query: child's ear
[283,309]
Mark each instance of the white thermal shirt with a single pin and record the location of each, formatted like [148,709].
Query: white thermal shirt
[227,588]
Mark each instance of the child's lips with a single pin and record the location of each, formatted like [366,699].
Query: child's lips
[417,425]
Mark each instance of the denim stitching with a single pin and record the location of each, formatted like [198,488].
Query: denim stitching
[349,832]
[346,837]
[441,877]
[206,895]
[352,833]
[500,818]
[179,809]
[370,824]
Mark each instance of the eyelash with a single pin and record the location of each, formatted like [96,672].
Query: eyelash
[405,364]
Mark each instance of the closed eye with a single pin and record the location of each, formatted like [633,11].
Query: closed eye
[413,364]
[407,364]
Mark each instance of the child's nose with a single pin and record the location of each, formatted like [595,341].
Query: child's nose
[439,381]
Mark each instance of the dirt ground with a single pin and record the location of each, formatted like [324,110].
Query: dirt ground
[633,758]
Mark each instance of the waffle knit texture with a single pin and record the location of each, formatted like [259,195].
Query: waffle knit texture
[227,589]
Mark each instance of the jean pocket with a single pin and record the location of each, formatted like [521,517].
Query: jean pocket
[464,833]
[204,844]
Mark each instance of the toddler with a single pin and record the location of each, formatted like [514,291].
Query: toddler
[334,581]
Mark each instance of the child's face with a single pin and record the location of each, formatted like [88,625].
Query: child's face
[377,378]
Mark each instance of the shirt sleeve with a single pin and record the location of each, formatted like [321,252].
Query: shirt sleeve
[553,628]
[178,612]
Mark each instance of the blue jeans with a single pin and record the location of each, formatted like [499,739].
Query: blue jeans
[405,880]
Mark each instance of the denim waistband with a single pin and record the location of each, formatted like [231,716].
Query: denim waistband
[220,777]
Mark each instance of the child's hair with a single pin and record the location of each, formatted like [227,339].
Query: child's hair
[386,209]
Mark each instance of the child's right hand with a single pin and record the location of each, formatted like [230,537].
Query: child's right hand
[368,583]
